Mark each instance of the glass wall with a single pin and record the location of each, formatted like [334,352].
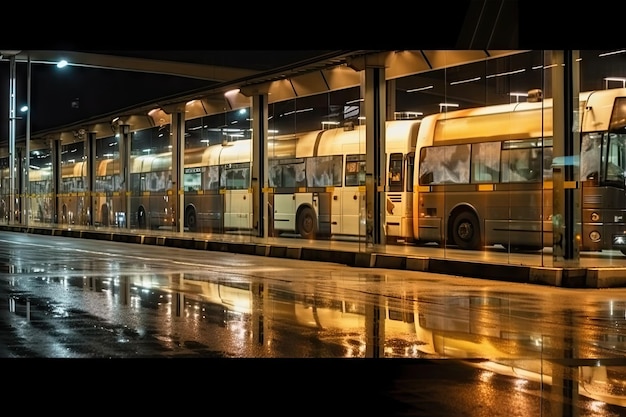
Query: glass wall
[73,207]
[108,199]
[217,173]
[316,167]
[152,205]
[41,187]
[485,156]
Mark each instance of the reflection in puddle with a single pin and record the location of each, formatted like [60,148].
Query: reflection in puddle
[188,314]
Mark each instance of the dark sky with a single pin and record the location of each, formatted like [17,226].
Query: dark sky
[72,94]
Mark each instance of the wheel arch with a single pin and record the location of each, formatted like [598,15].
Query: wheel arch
[456,210]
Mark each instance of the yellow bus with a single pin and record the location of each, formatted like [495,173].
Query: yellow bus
[484,176]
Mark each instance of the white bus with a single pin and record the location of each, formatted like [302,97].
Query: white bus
[484,176]
[321,191]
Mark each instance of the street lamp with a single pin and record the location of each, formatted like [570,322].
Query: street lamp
[12,119]
[26,193]
[12,55]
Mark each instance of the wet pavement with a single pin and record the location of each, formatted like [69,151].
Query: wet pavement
[332,338]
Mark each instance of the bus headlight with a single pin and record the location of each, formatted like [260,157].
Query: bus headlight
[594,236]
[595,216]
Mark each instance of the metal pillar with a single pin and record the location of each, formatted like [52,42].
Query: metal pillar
[124,147]
[26,188]
[12,120]
[375,138]
[90,145]
[566,137]
[178,165]
[259,164]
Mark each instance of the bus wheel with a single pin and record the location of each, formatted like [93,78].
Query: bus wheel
[190,219]
[306,224]
[466,232]
[141,218]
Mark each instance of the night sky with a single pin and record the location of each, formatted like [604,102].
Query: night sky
[71,94]
[65,96]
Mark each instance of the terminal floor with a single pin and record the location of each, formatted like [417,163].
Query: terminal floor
[588,270]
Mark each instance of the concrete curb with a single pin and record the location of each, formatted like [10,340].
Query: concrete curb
[558,277]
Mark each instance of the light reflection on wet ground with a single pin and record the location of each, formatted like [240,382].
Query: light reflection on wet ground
[71,298]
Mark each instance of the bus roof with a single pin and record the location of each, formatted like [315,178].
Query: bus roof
[515,120]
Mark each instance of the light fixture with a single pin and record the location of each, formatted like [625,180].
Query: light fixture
[446,105]
[62,63]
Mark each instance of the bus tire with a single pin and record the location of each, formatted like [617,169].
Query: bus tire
[307,226]
[191,221]
[466,231]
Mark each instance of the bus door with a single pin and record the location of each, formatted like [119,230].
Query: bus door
[238,203]
[285,212]
[289,178]
[351,205]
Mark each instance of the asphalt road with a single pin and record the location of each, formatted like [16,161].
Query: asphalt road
[326,337]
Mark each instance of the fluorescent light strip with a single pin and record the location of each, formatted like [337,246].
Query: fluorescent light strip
[297,111]
[469,80]
[620,79]
[506,73]
[621,51]
[413,90]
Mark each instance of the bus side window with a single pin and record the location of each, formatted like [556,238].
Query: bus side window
[428,163]
[521,166]
[395,172]
[485,162]
[355,170]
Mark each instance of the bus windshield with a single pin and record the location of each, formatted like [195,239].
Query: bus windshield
[603,158]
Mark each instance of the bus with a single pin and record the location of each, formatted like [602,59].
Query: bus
[321,191]
[217,185]
[151,192]
[484,176]
[316,181]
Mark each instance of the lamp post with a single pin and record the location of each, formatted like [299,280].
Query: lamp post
[12,135]
[12,121]
[25,207]
[26,198]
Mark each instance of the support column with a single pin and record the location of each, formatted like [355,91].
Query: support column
[566,144]
[177,141]
[374,92]
[260,183]
[26,191]
[55,148]
[375,117]
[90,151]
[259,173]
[12,133]
[124,147]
